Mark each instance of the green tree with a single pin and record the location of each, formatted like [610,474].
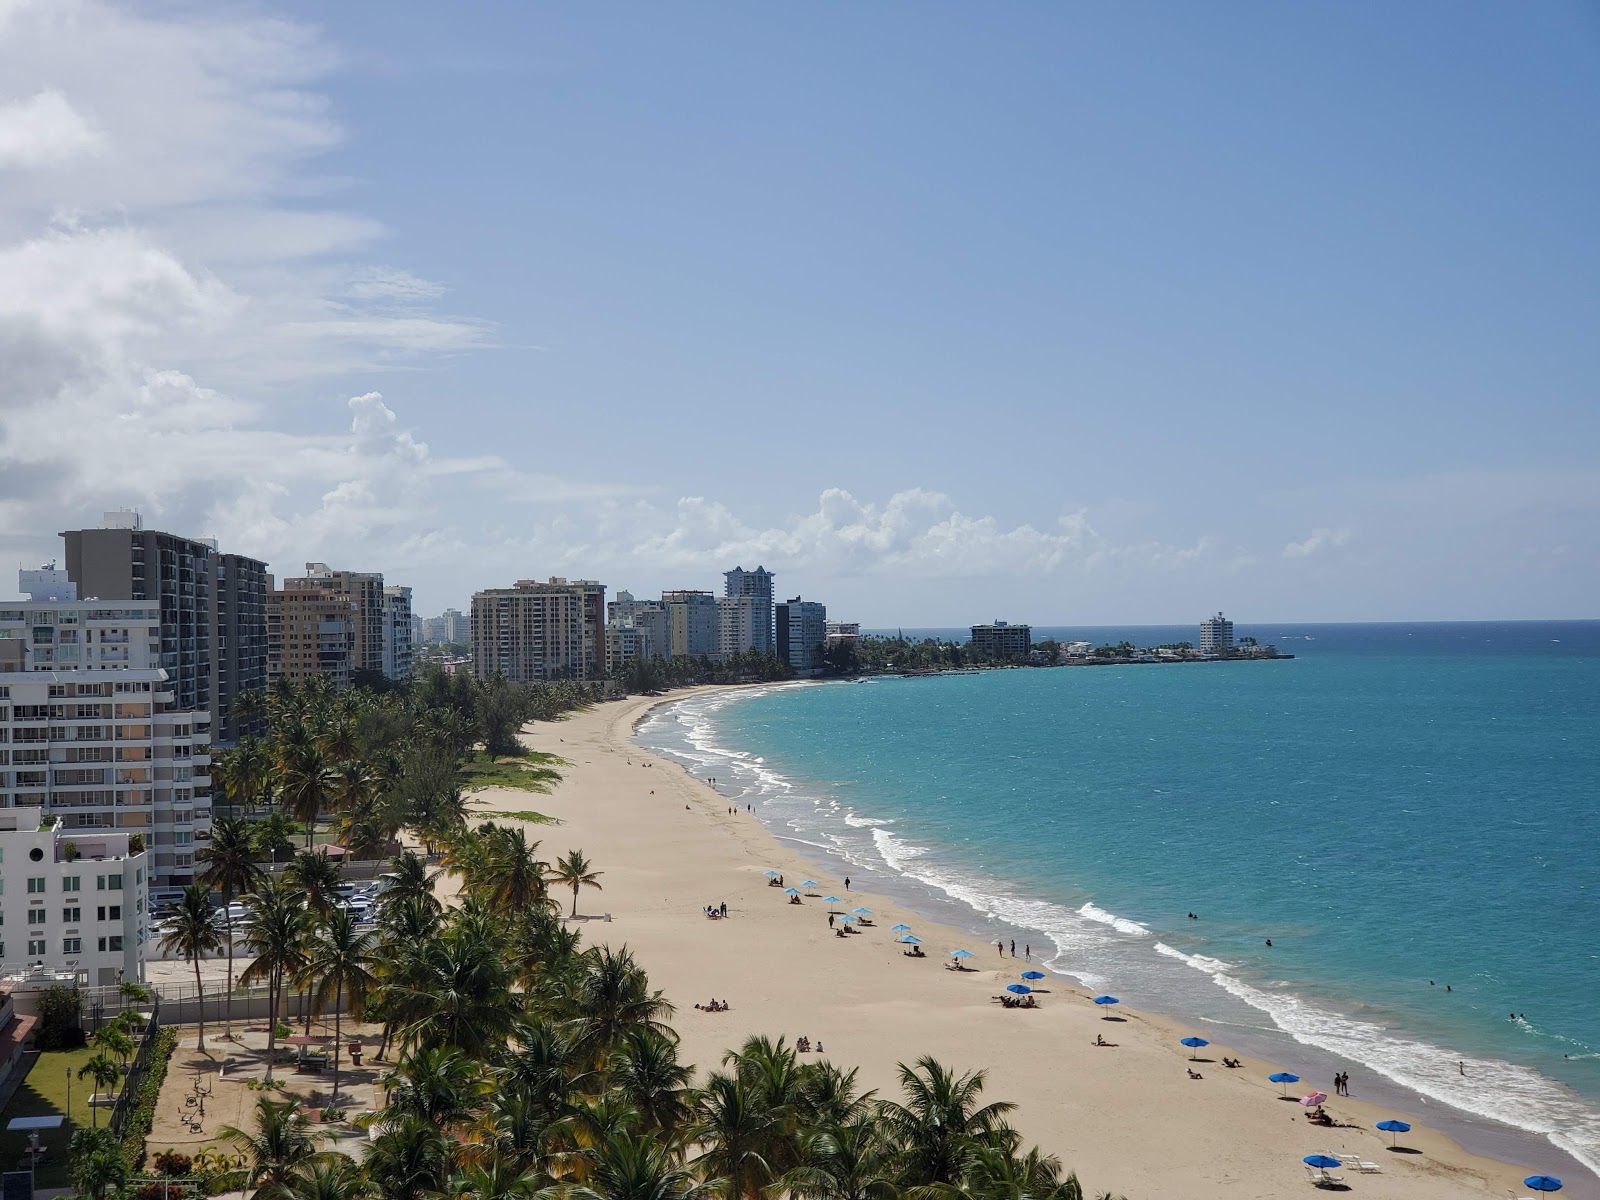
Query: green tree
[276,930]
[941,1121]
[230,868]
[340,963]
[106,1075]
[96,1165]
[573,870]
[276,1152]
[195,932]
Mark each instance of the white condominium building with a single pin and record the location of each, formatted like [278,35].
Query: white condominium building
[534,632]
[89,732]
[757,587]
[1216,635]
[73,902]
[802,630]
[691,624]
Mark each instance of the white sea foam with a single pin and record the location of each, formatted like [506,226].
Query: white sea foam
[857,822]
[1501,1091]
[1121,924]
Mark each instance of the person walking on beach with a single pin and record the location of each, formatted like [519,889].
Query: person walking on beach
[1013,947]
[847,883]
[830,920]
[1027,951]
[1001,946]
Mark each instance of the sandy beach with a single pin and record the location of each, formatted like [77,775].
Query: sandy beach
[1128,1119]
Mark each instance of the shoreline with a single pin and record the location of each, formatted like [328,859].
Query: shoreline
[1482,1130]
[1102,1110]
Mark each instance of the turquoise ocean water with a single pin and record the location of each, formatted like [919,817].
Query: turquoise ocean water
[1397,805]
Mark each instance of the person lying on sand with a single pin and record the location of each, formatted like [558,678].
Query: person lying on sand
[1193,1074]
[1100,1041]
[915,952]
[1232,1062]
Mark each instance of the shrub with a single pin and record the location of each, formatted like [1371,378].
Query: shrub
[173,1163]
[144,1102]
[59,1015]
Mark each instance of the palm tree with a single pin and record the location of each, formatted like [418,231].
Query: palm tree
[940,1123]
[575,871]
[105,1074]
[440,1085]
[646,1073]
[640,1167]
[230,868]
[408,878]
[844,1162]
[275,933]
[733,1128]
[306,782]
[332,1176]
[502,868]
[318,877]
[276,1152]
[610,997]
[195,932]
[409,1159]
[97,1163]
[340,963]
[494,1180]
[113,1038]
[455,991]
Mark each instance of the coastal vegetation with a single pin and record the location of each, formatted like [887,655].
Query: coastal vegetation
[528,1065]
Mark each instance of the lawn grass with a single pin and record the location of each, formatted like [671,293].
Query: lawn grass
[531,772]
[42,1093]
[526,814]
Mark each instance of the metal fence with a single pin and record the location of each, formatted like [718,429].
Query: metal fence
[131,1084]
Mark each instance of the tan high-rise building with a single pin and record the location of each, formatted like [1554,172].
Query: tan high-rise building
[364,591]
[310,632]
[534,632]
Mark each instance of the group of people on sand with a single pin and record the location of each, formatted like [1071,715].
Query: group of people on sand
[713,1005]
[1018,1001]
[717,912]
[802,1045]
[775,881]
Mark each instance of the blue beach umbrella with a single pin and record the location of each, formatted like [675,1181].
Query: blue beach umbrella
[1194,1043]
[961,954]
[770,874]
[1285,1078]
[830,900]
[791,891]
[1107,1000]
[1542,1183]
[1033,974]
[1020,989]
[862,912]
[1393,1127]
[911,940]
[902,928]
[1324,1161]
[808,883]
[847,919]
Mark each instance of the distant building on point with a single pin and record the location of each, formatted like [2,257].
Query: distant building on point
[802,629]
[1002,640]
[1216,635]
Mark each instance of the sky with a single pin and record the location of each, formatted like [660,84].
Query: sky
[1064,313]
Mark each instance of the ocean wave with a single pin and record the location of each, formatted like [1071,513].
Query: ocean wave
[1493,1088]
[1121,924]
[857,822]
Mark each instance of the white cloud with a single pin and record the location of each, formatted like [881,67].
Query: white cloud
[1320,540]
[43,130]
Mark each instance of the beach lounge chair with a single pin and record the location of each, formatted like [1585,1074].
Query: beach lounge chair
[1357,1163]
[1319,1176]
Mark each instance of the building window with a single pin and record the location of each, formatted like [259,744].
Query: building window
[36,916]
[35,885]
[71,914]
[113,913]
[116,942]
[36,948]
[72,945]
[71,883]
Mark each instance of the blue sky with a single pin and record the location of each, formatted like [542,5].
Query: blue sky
[1071,314]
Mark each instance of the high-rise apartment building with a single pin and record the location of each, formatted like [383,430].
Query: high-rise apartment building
[364,591]
[691,624]
[90,729]
[740,625]
[213,607]
[397,632]
[239,638]
[534,632]
[1216,635]
[802,629]
[634,629]
[124,561]
[310,632]
[1000,640]
[757,585]
[455,627]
